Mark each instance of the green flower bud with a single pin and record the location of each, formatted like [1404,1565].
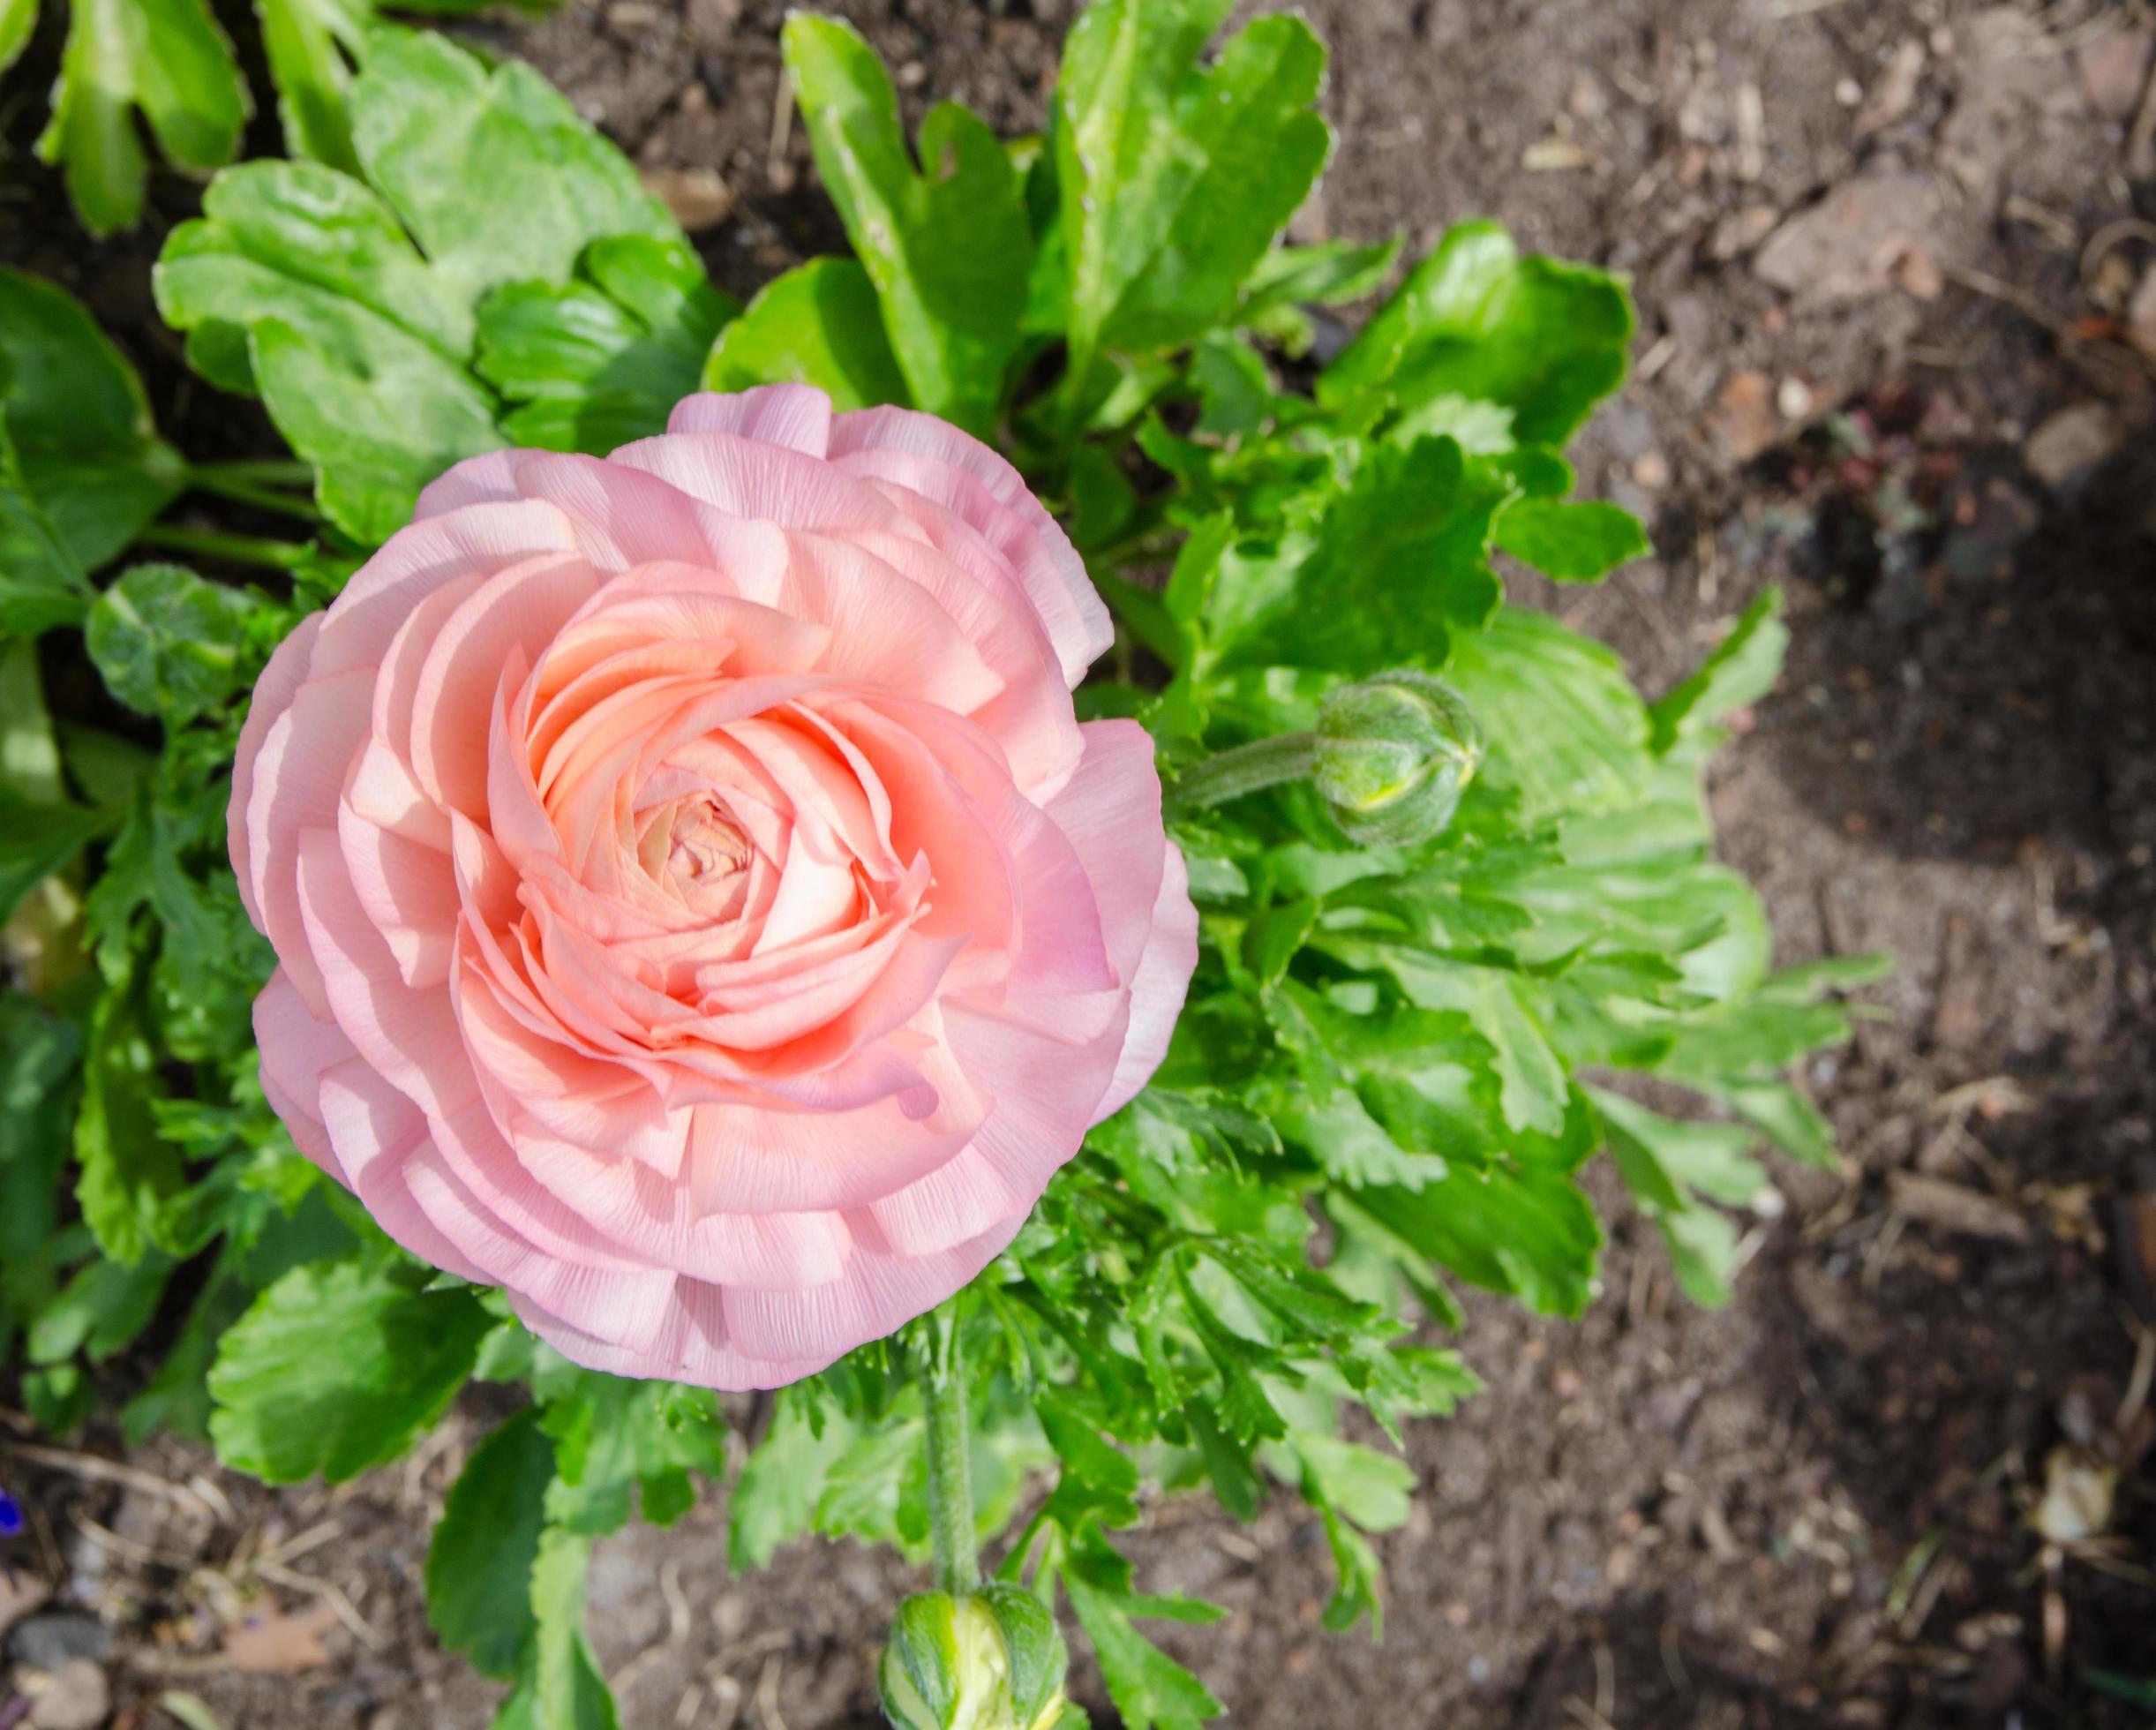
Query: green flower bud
[1393,755]
[991,1660]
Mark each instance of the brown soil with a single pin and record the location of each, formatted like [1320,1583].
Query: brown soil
[1810,1508]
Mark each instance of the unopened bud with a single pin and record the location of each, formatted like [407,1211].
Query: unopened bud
[1395,755]
[990,1660]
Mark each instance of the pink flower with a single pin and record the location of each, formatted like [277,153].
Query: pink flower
[701,911]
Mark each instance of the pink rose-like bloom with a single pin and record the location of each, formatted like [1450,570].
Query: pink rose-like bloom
[700,911]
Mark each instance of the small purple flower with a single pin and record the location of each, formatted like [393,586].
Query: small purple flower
[11,1517]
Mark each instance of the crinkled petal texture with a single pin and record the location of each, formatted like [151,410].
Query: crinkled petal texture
[700,911]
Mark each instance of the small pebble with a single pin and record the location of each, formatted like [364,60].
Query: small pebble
[77,1697]
[48,1642]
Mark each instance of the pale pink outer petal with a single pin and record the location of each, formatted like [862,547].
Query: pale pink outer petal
[376,1132]
[798,417]
[273,692]
[1157,992]
[735,1340]
[417,561]
[1074,613]
[298,777]
[1110,812]
[296,1050]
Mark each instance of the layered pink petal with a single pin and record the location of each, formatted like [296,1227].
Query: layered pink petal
[1076,617]
[795,416]
[273,692]
[1158,987]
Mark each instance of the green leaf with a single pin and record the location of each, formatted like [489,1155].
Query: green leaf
[60,1399]
[42,584]
[1741,670]
[1780,1111]
[533,184]
[306,42]
[29,753]
[564,1690]
[774,1499]
[1564,725]
[176,1398]
[949,250]
[1102,500]
[352,309]
[1501,350]
[1399,569]
[613,1437]
[169,643]
[820,324]
[1534,1083]
[1337,1104]
[310,45]
[298,284]
[374,443]
[1235,391]
[1098,1480]
[1703,1247]
[38,1054]
[338,1367]
[1148,1686]
[876,1488]
[1666,1164]
[1325,274]
[1353,1486]
[18,18]
[1227,1465]
[479,1565]
[1174,180]
[86,459]
[1754,1039]
[591,364]
[1273,937]
[313,250]
[1578,542]
[101,1311]
[1371,1488]
[1712,1159]
[128,1176]
[1524,1229]
[167,58]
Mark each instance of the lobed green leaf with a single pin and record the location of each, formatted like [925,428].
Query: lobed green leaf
[338,1367]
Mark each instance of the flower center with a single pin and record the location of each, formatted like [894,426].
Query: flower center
[707,844]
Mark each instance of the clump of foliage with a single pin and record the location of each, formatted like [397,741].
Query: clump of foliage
[1398,1055]
[167,66]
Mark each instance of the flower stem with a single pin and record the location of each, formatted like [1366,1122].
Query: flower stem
[261,494]
[1229,774]
[238,549]
[950,1487]
[273,472]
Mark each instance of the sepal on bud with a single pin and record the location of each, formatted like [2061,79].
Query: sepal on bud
[989,1660]
[1394,756]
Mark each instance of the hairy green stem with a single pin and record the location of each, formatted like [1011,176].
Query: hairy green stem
[950,1484]
[238,549]
[1262,762]
[263,496]
[276,471]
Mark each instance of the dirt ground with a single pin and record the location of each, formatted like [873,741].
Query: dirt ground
[1887,254]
